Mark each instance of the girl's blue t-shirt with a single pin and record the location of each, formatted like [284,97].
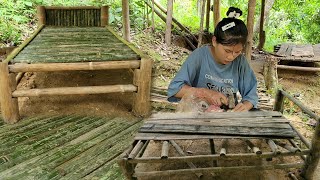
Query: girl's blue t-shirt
[201,70]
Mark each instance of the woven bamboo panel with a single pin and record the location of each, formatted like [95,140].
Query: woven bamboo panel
[75,44]
[73,17]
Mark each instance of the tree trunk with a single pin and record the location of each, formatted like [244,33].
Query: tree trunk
[250,23]
[216,12]
[126,20]
[201,22]
[169,22]
[268,7]
[270,74]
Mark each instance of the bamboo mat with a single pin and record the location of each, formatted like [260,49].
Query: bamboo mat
[75,44]
[72,147]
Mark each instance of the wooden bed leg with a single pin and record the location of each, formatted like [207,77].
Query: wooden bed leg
[104,16]
[41,13]
[313,158]
[9,105]
[142,79]
[278,105]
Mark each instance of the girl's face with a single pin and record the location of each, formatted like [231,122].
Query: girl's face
[224,54]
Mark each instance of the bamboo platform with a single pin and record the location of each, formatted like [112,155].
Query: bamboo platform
[71,147]
[73,39]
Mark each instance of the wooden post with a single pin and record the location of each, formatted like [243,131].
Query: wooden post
[41,13]
[152,16]
[9,105]
[250,23]
[126,20]
[104,16]
[169,22]
[312,160]
[270,73]
[201,23]
[216,12]
[208,16]
[278,105]
[262,34]
[142,79]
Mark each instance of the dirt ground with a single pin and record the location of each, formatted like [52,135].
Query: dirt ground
[167,62]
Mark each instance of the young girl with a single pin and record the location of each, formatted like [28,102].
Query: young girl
[213,72]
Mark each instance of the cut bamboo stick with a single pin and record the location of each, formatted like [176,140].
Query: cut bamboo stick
[23,67]
[251,146]
[288,147]
[136,149]
[299,68]
[75,90]
[165,150]
[224,145]
[273,146]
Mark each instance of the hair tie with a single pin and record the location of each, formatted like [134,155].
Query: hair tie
[234,14]
[228,26]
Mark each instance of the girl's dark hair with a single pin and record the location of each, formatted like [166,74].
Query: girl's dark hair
[234,34]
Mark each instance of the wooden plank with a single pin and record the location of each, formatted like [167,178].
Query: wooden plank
[216,115]
[316,51]
[196,129]
[282,50]
[302,50]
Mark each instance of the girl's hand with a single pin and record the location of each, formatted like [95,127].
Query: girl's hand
[243,107]
[211,96]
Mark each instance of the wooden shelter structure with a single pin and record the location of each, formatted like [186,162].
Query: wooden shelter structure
[269,128]
[72,39]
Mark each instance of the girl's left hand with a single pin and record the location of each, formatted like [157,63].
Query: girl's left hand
[243,107]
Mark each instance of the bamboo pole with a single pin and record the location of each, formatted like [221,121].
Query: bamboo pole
[251,146]
[136,149]
[299,68]
[142,79]
[250,24]
[208,15]
[216,12]
[22,46]
[22,67]
[9,105]
[104,15]
[261,31]
[126,20]
[216,169]
[223,150]
[173,19]
[296,146]
[41,13]
[169,22]
[71,7]
[279,100]
[201,23]
[165,150]
[152,16]
[75,90]
[273,146]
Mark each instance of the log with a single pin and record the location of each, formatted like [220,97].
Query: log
[126,20]
[142,79]
[9,105]
[270,73]
[136,149]
[299,68]
[253,148]
[104,16]
[273,146]
[250,24]
[75,90]
[279,100]
[41,13]
[223,150]
[71,7]
[22,67]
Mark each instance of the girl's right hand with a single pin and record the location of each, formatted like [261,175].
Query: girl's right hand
[211,96]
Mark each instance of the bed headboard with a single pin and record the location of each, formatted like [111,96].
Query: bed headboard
[73,16]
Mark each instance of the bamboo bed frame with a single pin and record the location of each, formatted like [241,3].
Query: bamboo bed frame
[275,132]
[71,39]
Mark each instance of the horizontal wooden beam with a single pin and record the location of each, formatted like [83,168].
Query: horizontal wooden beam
[21,67]
[71,7]
[75,90]
[299,68]
[216,169]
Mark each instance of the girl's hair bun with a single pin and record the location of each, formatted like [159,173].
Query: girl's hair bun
[234,12]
